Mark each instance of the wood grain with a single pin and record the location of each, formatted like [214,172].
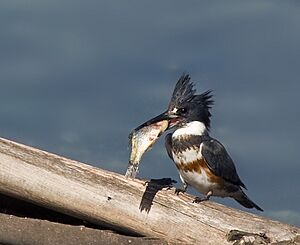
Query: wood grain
[130,206]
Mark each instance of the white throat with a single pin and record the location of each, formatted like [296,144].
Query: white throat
[191,128]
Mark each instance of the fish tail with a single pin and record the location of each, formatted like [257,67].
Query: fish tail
[132,171]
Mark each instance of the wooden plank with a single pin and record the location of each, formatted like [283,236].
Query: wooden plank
[130,206]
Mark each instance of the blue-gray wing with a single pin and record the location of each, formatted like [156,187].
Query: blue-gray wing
[168,145]
[219,161]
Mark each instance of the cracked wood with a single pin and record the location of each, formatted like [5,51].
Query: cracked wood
[109,199]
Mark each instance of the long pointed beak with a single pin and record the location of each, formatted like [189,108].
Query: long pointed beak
[163,116]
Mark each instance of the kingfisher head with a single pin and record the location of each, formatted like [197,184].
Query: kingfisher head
[186,106]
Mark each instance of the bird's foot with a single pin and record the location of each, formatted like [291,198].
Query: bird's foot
[200,199]
[179,190]
[182,190]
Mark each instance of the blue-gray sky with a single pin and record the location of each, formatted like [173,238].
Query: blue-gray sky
[77,76]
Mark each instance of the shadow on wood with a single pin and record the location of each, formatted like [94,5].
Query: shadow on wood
[20,208]
[18,230]
[152,187]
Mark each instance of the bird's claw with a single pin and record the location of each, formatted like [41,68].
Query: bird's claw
[199,199]
[179,190]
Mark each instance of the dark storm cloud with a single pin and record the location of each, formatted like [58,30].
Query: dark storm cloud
[77,76]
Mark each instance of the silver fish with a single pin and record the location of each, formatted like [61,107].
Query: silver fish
[141,139]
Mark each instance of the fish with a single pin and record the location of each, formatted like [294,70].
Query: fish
[142,139]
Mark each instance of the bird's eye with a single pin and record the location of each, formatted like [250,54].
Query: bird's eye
[182,110]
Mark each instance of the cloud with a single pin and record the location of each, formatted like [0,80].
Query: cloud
[288,216]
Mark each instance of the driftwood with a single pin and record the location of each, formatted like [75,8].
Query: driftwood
[130,206]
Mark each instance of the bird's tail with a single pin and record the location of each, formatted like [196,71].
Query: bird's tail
[244,200]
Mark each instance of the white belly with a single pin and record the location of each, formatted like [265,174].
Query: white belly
[198,180]
[201,183]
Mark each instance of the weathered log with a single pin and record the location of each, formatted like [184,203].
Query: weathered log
[126,205]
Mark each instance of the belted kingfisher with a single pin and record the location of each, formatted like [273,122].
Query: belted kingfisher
[201,160]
